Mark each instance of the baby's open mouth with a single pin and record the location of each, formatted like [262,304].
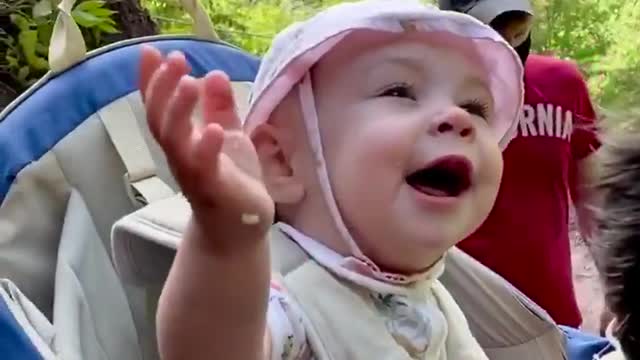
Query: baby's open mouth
[448,176]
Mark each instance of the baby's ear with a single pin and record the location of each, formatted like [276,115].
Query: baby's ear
[274,147]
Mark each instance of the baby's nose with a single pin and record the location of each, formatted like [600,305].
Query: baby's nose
[455,121]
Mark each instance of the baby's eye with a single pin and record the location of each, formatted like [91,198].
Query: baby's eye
[399,90]
[477,107]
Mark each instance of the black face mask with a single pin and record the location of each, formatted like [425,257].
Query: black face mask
[524,49]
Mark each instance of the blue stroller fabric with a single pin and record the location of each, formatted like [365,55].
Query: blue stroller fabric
[34,124]
[14,343]
[584,346]
[50,113]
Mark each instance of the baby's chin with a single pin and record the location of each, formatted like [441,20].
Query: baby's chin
[411,240]
[410,253]
[439,230]
[408,263]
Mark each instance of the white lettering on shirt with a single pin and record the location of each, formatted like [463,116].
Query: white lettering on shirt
[546,120]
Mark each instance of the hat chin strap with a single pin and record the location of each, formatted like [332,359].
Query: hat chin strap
[357,261]
[310,116]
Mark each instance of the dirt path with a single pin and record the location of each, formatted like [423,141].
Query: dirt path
[587,285]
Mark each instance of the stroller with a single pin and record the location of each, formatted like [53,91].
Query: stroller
[84,191]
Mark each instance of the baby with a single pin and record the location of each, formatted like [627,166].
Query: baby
[375,133]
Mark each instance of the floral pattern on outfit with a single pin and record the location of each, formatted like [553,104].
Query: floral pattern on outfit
[409,323]
[288,337]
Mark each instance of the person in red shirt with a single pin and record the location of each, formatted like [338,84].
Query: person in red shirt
[549,162]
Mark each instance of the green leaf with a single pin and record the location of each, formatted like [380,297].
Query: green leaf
[44,33]
[103,13]
[85,19]
[28,41]
[7,41]
[108,28]
[12,61]
[22,22]
[90,5]
[41,49]
[42,8]
[23,73]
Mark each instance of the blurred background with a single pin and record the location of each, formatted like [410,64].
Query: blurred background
[600,35]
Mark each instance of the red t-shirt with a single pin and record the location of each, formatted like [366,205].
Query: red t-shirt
[525,239]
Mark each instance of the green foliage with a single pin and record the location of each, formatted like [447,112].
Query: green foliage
[25,45]
[600,35]
[248,24]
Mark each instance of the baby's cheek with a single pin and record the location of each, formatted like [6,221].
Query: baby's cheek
[488,154]
[371,163]
[491,166]
[495,164]
[387,148]
[365,173]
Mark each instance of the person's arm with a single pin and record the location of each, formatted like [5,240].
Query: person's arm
[583,196]
[214,303]
[584,146]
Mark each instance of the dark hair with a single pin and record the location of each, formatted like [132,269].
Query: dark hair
[503,20]
[462,6]
[618,258]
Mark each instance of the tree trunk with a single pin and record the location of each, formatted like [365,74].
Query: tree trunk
[8,89]
[132,20]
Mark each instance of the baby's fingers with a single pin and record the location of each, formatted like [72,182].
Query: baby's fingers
[177,129]
[150,61]
[203,177]
[160,89]
[207,148]
[218,104]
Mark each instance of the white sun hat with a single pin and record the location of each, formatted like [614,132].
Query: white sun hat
[296,49]
[287,65]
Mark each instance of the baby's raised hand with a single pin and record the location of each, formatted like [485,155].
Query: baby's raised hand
[214,163]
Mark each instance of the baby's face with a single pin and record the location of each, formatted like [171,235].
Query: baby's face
[414,164]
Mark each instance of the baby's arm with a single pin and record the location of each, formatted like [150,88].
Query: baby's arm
[214,304]
[285,338]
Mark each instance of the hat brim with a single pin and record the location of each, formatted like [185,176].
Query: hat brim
[487,10]
[296,50]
